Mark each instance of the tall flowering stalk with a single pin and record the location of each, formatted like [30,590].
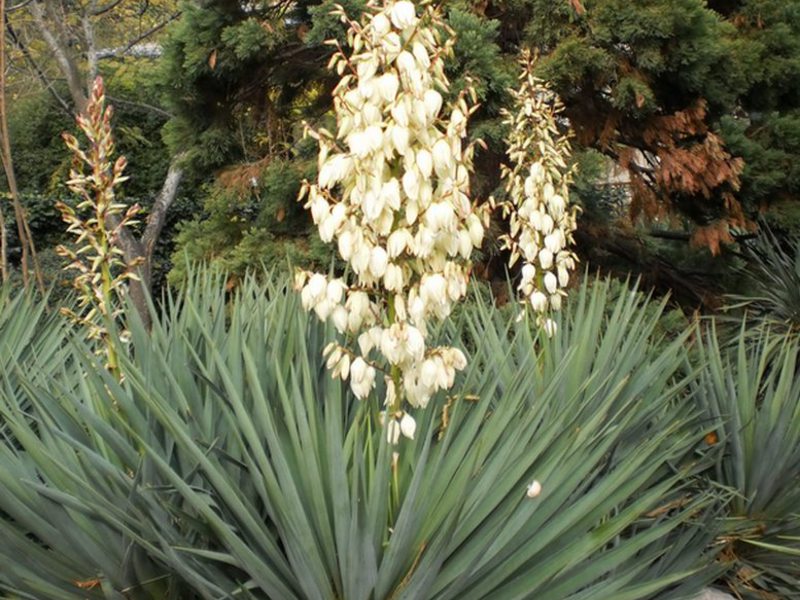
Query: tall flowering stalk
[96,222]
[537,182]
[393,192]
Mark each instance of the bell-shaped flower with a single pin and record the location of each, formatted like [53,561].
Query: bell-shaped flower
[398,241]
[556,301]
[388,84]
[403,14]
[442,158]
[380,25]
[393,432]
[550,282]
[429,373]
[433,103]
[476,230]
[399,136]
[538,301]
[411,184]
[550,327]
[335,291]
[393,279]
[563,276]
[415,343]
[425,163]
[399,112]
[408,426]
[377,261]
[314,291]
[545,258]
[421,54]
[406,63]
[345,245]
[553,242]
[362,378]
[340,320]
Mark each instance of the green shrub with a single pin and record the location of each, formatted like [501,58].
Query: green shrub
[774,279]
[228,463]
[251,217]
[750,393]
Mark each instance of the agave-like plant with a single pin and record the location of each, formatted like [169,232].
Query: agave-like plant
[230,464]
[750,394]
[775,278]
[31,339]
[28,332]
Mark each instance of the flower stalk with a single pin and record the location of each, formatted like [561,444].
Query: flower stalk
[541,221]
[393,193]
[96,222]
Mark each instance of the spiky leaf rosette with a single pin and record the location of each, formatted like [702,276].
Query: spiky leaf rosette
[393,192]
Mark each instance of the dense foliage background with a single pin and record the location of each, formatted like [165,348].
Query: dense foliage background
[686,116]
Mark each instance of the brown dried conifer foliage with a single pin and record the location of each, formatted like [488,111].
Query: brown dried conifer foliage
[676,164]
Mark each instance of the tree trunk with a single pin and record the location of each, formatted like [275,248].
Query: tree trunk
[140,251]
[58,46]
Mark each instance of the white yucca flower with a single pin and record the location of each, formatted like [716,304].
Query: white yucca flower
[393,194]
[534,489]
[541,223]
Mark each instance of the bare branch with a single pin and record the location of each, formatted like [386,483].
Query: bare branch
[136,51]
[57,46]
[151,31]
[97,11]
[158,213]
[135,47]
[23,4]
[46,81]
[145,106]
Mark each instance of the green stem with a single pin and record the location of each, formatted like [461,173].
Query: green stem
[107,303]
[395,370]
[390,412]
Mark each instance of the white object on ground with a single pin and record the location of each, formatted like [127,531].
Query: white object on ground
[712,594]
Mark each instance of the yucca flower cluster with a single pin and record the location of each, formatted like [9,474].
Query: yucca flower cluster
[540,219]
[393,192]
[96,222]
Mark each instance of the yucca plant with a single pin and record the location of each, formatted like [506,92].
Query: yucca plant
[227,463]
[750,393]
[774,274]
[28,332]
[31,339]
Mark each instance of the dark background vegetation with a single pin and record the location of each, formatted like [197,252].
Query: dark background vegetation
[686,116]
